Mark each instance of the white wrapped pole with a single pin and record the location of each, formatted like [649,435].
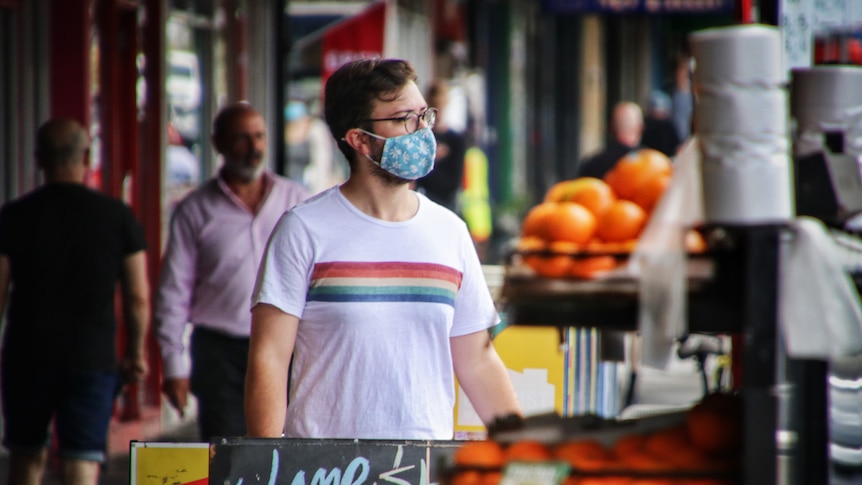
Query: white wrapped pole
[827,99]
[741,120]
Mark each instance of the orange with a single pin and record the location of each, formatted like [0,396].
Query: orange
[605,480]
[586,463]
[644,461]
[531,243]
[690,458]
[467,477]
[537,219]
[565,248]
[481,453]
[552,266]
[529,246]
[560,191]
[558,262]
[593,193]
[627,246]
[491,478]
[635,169]
[583,453]
[650,191]
[559,221]
[628,444]
[535,262]
[615,247]
[666,443]
[528,450]
[571,222]
[590,267]
[624,220]
[715,424]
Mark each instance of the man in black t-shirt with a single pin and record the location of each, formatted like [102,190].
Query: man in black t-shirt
[63,249]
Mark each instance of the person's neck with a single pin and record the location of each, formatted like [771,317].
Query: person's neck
[376,198]
[71,175]
[250,192]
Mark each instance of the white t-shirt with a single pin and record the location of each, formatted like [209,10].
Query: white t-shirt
[377,302]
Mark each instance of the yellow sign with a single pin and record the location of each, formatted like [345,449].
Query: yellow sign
[536,365]
[154,463]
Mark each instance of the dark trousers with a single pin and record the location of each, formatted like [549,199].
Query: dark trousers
[219,363]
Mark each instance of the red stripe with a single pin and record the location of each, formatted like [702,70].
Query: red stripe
[337,269]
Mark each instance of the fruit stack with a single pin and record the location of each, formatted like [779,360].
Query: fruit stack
[703,449]
[587,226]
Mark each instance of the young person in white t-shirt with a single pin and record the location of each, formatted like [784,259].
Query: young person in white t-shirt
[375,291]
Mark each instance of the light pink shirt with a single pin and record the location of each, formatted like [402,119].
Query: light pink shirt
[211,261]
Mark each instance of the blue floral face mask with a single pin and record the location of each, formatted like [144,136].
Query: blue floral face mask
[408,156]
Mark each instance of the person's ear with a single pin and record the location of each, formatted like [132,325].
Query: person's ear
[358,140]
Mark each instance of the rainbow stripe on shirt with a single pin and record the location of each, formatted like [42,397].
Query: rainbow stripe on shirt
[385,281]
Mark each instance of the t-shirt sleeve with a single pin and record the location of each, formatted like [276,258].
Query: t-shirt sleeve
[284,272]
[5,231]
[134,232]
[474,306]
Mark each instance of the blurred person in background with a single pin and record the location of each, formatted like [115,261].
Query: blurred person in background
[445,181]
[659,130]
[627,124]
[217,237]
[63,250]
[682,98]
[311,156]
[183,169]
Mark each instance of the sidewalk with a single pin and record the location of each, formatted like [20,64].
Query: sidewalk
[116,470]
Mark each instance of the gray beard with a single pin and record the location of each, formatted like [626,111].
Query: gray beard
[245,173]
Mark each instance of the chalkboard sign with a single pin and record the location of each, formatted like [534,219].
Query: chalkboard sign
[246,461]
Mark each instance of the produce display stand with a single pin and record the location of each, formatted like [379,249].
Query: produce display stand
[733,289]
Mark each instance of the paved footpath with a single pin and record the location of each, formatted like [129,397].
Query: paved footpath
[115,471]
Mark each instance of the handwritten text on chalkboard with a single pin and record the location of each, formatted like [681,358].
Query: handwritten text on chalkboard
[327,462]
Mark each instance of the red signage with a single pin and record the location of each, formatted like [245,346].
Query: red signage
[639,6]
[360,36]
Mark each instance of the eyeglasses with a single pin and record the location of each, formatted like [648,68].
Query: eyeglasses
[411,120]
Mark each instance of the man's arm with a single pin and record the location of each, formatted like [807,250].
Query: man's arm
[136,307]
[173,300]
[273,335]
[483,376]
[5,278]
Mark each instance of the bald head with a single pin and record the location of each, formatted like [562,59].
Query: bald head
[61,143]
[222,125]
[628,123]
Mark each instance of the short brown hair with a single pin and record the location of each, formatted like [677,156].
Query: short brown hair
[354,88]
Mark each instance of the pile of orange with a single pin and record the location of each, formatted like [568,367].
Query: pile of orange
[596,217]
[707,443]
